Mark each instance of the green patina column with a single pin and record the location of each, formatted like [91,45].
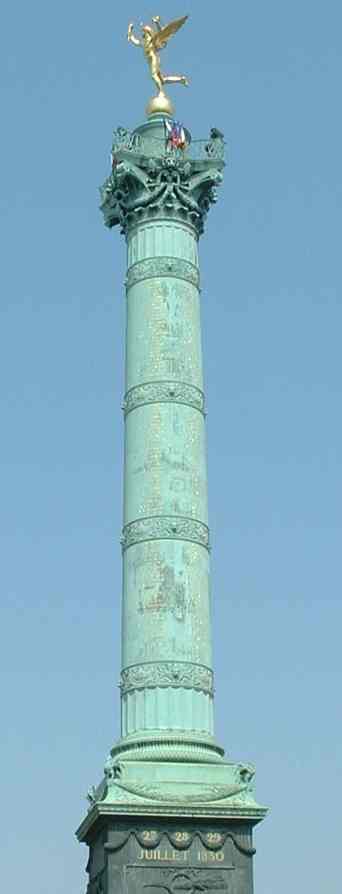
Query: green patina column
[171,813]
[167,681]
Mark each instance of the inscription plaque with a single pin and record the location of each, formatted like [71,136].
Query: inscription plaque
[173,856]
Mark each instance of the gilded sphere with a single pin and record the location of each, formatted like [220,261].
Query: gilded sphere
[160,105]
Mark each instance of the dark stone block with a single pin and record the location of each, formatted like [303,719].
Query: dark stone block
[150,856]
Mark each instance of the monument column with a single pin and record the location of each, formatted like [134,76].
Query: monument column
[167,681]
[170,814]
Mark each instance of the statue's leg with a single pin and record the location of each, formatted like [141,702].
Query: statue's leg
[156,74]
[175,79]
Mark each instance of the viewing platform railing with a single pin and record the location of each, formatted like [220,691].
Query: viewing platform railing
[212,149]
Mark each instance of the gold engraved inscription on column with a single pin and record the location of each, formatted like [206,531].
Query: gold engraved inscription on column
[171,320]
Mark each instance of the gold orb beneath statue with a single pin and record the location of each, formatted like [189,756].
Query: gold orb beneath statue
[160,105]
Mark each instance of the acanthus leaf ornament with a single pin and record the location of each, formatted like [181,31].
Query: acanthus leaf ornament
[141,187]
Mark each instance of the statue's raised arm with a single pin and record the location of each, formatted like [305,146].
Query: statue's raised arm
[154,38]
[131,36]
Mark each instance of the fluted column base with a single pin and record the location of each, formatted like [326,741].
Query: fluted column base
[147,709]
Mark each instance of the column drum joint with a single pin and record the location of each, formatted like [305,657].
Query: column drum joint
[164,392]
[165,527]
[163,266]
[163,674]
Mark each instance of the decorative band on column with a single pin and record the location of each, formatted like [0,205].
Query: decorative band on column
[163,392]
[163,527]
[163,267]
[165,674]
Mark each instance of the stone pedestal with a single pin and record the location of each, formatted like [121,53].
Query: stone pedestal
[170,856]
[171,826]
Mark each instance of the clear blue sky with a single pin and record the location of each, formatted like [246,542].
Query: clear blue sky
[269,75]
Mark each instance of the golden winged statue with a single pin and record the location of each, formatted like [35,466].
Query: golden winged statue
[154,38]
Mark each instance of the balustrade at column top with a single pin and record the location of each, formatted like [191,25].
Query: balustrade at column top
[135,143]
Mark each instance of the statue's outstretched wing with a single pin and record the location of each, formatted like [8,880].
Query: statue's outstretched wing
[160,38]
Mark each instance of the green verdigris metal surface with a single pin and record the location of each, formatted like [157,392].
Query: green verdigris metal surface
[167,762]
[160,198]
